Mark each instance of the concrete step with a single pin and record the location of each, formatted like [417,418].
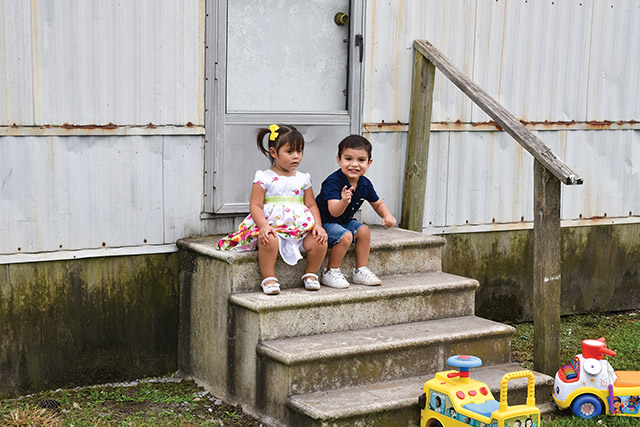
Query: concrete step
[400,299]
[353,358]
[395,402]
[393,251]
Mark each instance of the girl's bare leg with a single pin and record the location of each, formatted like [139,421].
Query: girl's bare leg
[363,246]
[267,255]
[315,253]
[339,250]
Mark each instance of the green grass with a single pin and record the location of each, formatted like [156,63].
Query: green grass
[149,404]
[622,331]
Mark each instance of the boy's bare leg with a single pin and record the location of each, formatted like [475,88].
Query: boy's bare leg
[267,255]
[363,246]
[339,250]
[315,253]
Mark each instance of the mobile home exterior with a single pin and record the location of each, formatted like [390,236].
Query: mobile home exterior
[125,126]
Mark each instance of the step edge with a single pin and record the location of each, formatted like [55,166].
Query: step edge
[230,257]
[263,349]
[198,246]
[311,412]
[298,406]
[316,300]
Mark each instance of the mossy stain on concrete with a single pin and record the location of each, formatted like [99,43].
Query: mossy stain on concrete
[65,323]
[600,269]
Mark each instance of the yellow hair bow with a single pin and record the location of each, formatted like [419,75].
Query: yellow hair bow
[274,134]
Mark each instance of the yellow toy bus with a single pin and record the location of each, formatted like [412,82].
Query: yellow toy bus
[452,399]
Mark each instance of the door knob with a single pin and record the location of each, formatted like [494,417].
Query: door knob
[341,18]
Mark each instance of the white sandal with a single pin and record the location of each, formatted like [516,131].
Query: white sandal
[312,284]
[271,288]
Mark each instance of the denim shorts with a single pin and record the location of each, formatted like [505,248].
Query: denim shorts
[335,231]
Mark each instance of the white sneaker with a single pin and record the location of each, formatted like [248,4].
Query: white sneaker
[334,279]
[364,276]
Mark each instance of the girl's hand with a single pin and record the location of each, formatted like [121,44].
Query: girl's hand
[347,194]
[319,234]
[389,221]
[263,235]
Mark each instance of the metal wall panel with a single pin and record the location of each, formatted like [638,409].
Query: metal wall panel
[16,71]
[610,164]
[476,178]
[544,61]
[549,63]
[62,193]
[614,87]
[99,62]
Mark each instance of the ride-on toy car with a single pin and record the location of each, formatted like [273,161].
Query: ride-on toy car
[590,386]
[451,399]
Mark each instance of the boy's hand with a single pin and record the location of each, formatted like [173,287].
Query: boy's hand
[347,193]
[389,221]
[319,234]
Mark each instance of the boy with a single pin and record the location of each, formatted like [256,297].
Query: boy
[340,197]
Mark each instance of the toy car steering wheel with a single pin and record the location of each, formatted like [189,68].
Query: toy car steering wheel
[464,362]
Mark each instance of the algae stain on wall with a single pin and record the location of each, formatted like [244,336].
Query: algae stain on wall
[600,269]
[86,321]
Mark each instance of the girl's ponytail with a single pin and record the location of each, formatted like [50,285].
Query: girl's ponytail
[261,132]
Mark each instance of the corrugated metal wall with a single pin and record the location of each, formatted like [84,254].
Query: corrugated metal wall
[100,62]
[551,63]
[126,81]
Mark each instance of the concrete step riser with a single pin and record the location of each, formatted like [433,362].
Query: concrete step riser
[276,381]
[382,261]
[334,317]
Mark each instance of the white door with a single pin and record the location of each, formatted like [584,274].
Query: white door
[278,61]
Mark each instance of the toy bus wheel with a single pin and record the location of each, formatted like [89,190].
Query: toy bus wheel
[434,423]
[587,406]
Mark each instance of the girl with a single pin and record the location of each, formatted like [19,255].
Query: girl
[283,213]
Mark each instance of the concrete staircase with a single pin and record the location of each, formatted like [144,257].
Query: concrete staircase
[336,357]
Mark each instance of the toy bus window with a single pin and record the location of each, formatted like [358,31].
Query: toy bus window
[438,402]
[522,421]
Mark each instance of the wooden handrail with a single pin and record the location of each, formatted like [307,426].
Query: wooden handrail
[549,173]
[497,112]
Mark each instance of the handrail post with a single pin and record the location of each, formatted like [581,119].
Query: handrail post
[415,175]
[546,270]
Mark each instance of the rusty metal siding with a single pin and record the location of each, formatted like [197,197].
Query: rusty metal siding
[476,178]
[567,69]
[100,62]
[544,61]
[101,126]
[67,193]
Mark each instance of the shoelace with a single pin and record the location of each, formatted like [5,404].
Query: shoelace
[367,273]
[336,274]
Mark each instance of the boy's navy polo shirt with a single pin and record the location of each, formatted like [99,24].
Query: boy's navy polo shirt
[332,189]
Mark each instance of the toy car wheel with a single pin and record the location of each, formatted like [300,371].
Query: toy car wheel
[435,423]
[587,406]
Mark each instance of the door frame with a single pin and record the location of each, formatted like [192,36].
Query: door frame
[215,100]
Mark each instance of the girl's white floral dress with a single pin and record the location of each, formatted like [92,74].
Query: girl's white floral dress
[285,212]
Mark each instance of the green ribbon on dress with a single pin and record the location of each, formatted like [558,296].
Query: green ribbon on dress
[284,199]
